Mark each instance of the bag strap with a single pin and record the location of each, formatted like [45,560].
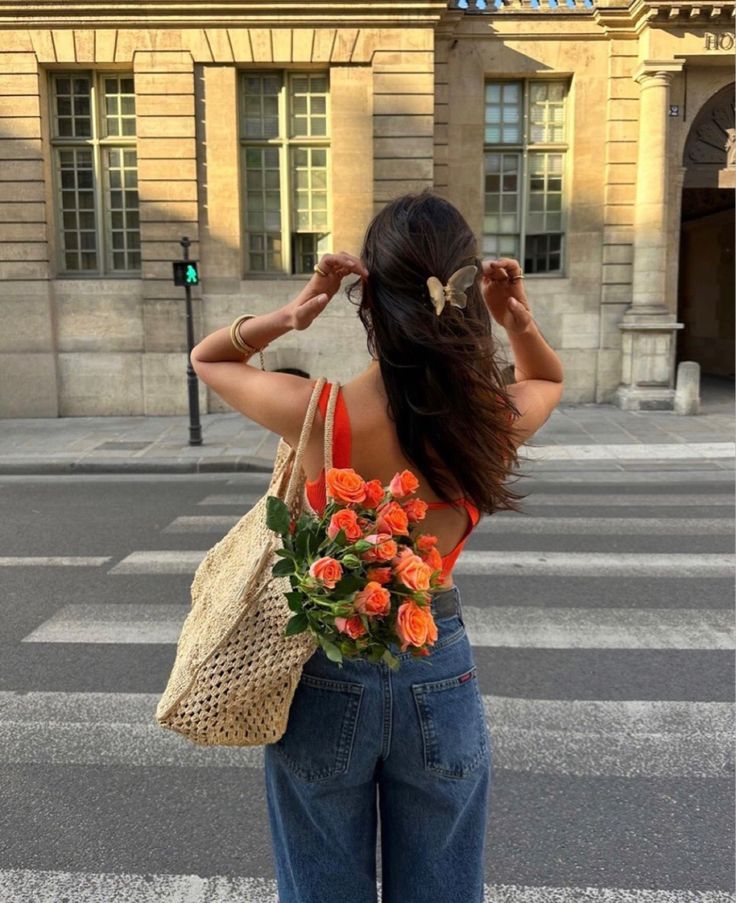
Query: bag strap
[296,467]
[330,426]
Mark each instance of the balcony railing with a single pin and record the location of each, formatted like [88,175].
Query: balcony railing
[493,6]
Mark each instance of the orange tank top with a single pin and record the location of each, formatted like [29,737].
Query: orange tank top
[316,491]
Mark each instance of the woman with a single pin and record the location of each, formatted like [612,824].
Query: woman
[432,400]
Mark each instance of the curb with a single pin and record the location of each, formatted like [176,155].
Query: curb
[26,467]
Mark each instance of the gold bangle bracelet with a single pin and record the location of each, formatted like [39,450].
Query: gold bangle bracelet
[239,342]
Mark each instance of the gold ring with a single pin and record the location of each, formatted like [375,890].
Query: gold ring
[318,269]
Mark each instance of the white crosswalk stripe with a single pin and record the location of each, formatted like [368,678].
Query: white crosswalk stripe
[571,737]
[79,561]
[472,562]
[22,886]
[595,564]
[599,526]
[513,626]
[625,500]
[608,526]
[560,499]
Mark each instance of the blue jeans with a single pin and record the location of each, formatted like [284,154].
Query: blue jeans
[414,741]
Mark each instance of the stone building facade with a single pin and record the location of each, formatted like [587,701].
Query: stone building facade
[593,142]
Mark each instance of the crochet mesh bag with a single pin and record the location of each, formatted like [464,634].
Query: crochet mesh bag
[235,673]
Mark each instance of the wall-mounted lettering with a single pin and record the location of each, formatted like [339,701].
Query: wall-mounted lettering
[719,41]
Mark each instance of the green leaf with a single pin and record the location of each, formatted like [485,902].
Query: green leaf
[390,659]
[312,542]
[295,601]
[278,517]
[283,568]
[296,624]
[285,553]
[332,651]
[302,537]
[347,584]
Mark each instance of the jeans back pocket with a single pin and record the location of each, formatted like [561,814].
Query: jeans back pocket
[320,732]
[452,720]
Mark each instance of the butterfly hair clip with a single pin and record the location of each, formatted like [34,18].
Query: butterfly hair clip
[453,292]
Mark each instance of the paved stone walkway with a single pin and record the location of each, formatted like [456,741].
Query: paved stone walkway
[574,432]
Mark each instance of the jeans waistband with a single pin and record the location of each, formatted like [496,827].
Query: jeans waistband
[446,603]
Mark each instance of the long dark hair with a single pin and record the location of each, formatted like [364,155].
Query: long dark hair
[443,380]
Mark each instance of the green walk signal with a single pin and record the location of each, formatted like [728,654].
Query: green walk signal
[186,272]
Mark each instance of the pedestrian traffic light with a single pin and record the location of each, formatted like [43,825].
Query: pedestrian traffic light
[186,272]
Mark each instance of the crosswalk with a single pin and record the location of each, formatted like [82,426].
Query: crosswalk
[567,737]
[501,625]
[20,886]
[637,573]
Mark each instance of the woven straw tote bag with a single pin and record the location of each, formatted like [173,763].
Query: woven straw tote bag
[235,673]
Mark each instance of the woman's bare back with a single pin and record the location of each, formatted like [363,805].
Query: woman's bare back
[375,454]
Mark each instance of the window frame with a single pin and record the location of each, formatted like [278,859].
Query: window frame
[285,143]
[524,149]
[97,143]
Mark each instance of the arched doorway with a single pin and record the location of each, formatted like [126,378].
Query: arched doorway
[706,296]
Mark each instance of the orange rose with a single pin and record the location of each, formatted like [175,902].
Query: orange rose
[410,570]
[425,541]
[373,599]
[380,575]
[391,518]
[403,484]
[345,485]
[353,627]
[373,493]
[415,625]
[327,570]
[432,558]
[384,548]
[347,520]
[415,509]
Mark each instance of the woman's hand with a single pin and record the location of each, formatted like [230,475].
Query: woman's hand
[504,295]
[316,295]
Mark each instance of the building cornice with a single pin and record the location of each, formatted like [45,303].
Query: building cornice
[667,13]
[632,16]
[114,13]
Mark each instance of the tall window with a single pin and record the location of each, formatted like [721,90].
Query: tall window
[95,168]
[524,164]
[284,134]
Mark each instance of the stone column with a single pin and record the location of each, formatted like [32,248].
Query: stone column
[649,324]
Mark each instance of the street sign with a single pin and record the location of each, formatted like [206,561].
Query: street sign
[186,272]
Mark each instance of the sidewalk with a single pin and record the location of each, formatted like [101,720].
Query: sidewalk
[573,433]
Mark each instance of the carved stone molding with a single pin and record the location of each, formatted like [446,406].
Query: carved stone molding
[148,13]
[712,137]
[686,14]
[651,72]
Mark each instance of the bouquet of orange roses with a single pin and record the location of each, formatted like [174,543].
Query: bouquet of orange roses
[361,574]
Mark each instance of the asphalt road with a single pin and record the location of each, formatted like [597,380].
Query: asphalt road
[603,628]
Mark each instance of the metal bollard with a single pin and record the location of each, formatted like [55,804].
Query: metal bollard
[687,388]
